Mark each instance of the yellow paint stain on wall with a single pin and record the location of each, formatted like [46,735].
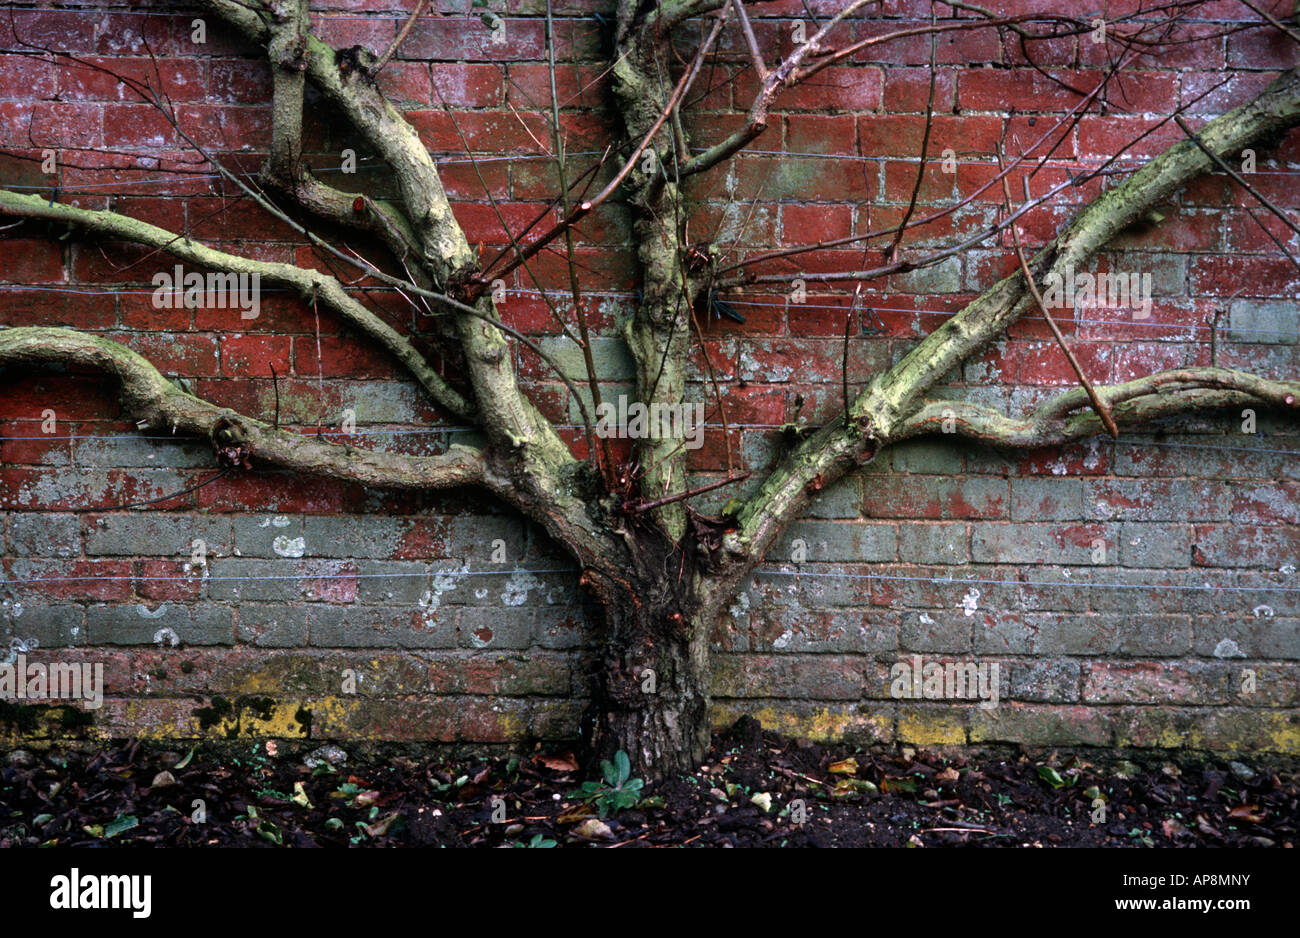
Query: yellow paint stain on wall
[929,729]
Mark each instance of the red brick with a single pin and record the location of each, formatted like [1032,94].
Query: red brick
[810,224]
[32,261]
[1244,232]
[1244,276]
[406,82]
[254,356]
[25,443]
[343,32]
[833,89]
[908,89]
[51,124]
[1044,363]
[75,580]
[177,583]
[137,127]
[278,492]
[900,181]
[59,31]
[527,86]
[181,79]
[806,133]
[141,34]
[458,39]
[342,357]
[192,356]
[239,81]
[25,78]
[901,135]
[1138,359]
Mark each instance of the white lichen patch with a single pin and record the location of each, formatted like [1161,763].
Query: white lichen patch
[289,546]
[970,602]
[18,646]
[444,581]
[1093,459]
[1227,648]
[167,637]
[145,612]
[515,591]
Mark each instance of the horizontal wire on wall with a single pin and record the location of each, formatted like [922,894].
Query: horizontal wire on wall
[161,177]
[763,569]
[780,304]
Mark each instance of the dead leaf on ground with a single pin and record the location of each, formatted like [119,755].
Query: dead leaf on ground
[562,763]
[575,814]
[1246,812]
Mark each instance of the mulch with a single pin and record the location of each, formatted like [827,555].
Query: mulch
[756,789]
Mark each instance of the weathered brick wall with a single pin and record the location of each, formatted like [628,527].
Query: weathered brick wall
[1157,644]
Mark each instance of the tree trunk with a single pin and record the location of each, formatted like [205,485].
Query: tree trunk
[650,686]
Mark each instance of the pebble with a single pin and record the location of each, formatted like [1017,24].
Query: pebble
[594,829]
[21,759]
[330,754]
[1242,771]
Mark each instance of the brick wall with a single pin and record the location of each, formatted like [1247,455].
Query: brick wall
[306,585]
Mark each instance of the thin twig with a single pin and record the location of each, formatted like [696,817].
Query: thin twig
[399,38]
[1237,178]
[1103,412]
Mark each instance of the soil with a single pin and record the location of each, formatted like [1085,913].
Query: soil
[753,791]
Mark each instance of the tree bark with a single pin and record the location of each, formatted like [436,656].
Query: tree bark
[650,694]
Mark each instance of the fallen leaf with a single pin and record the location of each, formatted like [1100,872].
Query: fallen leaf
[594,829]
[1205,827]
[763,800]
[120,824]
[576,814]
[1051,776]
[188,756]
[564,763]
[889,784]
[847,766]
[163,779]
[300,796]
[849,786]
[948,776]
[1246,812]
[380,828]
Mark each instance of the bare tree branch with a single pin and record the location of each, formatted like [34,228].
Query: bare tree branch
[158,404]
[1053,423]
[307,283]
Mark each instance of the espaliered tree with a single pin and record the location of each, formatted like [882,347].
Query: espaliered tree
[660,570]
